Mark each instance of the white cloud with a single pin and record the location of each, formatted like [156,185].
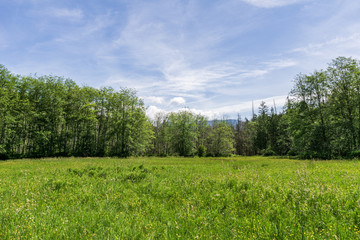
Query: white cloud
[151,111]
[230,111]
[177,101]
[334,45]
[64,13]
[153,99]
[225,85]
[316,55]
[245,108]
[181,57]
[280,63]
[253,73]
[272,3]
[186,78]
[170,51]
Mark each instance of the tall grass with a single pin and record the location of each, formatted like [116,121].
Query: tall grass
[185,198]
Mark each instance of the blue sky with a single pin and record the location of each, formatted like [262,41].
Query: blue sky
[213,57]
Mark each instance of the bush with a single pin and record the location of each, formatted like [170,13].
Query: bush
[291,152]
[354,154]
[201,152]
[269,152]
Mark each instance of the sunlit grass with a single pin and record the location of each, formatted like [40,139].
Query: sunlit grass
[169,198]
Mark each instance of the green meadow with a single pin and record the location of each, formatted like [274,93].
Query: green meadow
[184,198]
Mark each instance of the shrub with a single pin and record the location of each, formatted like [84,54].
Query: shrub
[354,154]
[269,152]
[201,152]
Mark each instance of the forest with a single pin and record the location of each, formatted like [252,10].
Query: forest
[51,116]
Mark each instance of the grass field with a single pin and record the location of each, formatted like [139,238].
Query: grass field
[185,198]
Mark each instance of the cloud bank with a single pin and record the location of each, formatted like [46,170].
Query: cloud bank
[213,57]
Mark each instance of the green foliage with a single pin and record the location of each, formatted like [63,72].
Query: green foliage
[354,154]
[244,137]
[269,152]
[182,130]
[52,116]
[220,141]
[262,128]
[321,118]
[187,198]
[161,135]
[201,151]
[323,111]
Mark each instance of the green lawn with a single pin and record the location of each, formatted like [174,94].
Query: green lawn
[185,198]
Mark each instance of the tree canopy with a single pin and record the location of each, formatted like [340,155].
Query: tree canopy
[53,116]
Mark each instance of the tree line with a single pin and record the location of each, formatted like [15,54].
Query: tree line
[321,118]
[323,111]
[52,116]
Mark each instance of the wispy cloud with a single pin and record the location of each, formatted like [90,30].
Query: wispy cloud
[272,3]
[280,64]
[65,13]
[180,57]
[85,33]
[339,42]
[216,56]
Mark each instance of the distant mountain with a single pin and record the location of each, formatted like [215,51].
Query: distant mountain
[231,121]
